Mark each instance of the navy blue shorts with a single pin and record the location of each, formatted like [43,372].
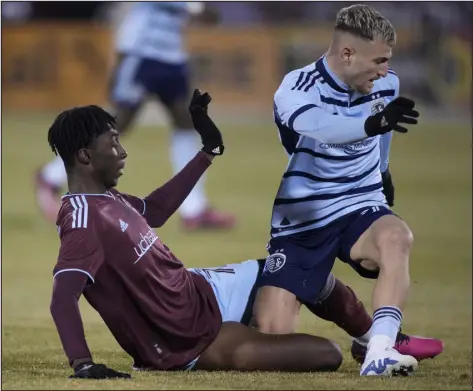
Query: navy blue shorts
[301,263]
[135,78]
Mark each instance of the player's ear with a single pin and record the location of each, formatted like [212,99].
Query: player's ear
[83,156]
[347,55]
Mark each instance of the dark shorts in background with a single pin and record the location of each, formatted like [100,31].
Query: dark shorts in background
[135,78]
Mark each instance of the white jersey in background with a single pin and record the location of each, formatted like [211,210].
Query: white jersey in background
[155,30]
[333,168]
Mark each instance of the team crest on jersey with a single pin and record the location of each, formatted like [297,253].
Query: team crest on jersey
[274,262]
[377,108]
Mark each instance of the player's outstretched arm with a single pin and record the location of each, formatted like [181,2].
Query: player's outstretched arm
[314,122]
[164,201]
[67,289]
[296,111]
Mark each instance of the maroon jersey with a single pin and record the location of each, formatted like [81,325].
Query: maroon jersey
[160,313]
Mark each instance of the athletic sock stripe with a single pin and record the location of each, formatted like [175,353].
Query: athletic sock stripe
[74,213]
[388,310]
[389,307]
[80,212]
[385,316]
[327,289]
[385,313]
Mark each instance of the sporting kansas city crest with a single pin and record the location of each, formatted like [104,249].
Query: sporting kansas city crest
[274,263]
[377,108]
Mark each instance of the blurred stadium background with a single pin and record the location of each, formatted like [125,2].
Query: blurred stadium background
[59,54]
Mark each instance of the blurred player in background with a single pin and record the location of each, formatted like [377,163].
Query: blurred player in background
[151,62]
[336,118]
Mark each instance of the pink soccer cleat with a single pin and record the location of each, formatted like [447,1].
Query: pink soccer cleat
[209,219]
[418,347]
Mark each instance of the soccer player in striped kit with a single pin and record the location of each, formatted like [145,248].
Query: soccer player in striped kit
[335,118]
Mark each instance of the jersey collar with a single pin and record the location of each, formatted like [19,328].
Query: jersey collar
[329,77]
[106,194]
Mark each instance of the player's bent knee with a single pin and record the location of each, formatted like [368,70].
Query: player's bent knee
[398,237]
[276,311]
[275,355]
[276,320]
[333,356]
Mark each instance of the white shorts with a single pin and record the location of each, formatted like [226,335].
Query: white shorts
[234,286]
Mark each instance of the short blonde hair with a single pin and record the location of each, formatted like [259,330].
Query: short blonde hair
[365,22]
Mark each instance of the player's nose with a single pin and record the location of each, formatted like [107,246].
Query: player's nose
[383,72]
[123,153]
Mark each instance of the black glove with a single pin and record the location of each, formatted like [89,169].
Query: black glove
[388,187]
[400,110]
[97,371]
[203,124]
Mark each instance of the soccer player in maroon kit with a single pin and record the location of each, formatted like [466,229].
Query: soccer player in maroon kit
[163,315]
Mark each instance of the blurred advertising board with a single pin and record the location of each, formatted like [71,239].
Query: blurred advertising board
[52,66]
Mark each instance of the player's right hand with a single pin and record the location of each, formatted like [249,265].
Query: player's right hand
[91,370]
[400,110]
[203,124]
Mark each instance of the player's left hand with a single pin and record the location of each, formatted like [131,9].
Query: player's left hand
[200,100]
[388,187]
[91,370]
[399,111]
[203,124]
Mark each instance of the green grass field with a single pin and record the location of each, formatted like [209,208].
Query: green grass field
[432,172]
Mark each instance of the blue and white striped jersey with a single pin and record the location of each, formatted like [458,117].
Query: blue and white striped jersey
[155,30]
[334,169]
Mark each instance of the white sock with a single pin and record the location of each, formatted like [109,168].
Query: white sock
[365,338]
[386,323]
[184,146]
[54,172]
